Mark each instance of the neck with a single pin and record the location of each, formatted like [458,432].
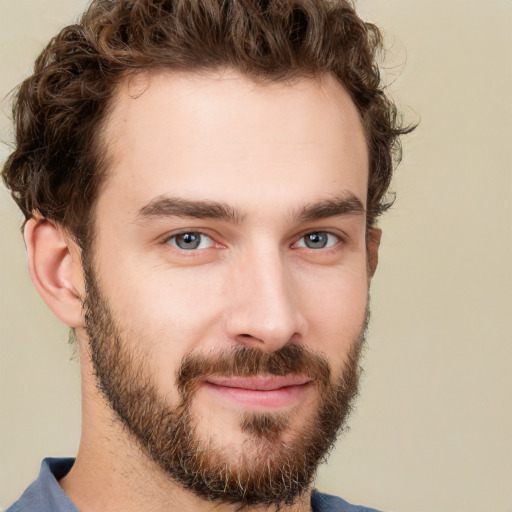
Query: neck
[112,477]
[111,472]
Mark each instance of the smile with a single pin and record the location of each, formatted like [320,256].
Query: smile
[260,392]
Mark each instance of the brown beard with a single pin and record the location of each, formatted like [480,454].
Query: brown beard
[277,472]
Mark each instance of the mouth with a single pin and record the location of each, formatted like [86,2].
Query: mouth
[262,392]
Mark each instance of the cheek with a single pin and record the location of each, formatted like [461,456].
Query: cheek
[169,299]
[335,304]
[164,314]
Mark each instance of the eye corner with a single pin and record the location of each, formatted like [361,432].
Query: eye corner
[319,239]
[189,240]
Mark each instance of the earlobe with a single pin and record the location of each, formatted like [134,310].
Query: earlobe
[54,270]
[373,243]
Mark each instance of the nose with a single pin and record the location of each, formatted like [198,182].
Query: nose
[263,310]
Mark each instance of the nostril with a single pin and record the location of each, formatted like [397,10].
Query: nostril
[249,337]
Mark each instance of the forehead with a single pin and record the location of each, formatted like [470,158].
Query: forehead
[222,136]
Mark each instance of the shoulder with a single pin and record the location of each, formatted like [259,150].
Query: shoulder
[327,503]
[45,494]
[29,501]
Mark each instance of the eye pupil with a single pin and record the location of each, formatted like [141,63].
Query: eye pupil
[188,240]
[316,240]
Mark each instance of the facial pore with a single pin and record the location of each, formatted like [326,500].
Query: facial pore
[268,469]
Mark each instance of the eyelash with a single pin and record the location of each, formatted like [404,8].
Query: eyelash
[174,236]
[190,252]
[332,239]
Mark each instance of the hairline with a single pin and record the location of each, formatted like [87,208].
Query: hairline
[102,143]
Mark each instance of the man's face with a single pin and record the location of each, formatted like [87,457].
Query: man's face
[227,287]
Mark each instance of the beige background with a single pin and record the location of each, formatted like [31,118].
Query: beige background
[433,427]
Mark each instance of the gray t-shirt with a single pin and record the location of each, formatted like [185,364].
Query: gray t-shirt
[46,495]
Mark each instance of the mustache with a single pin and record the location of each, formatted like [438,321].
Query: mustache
[242,361]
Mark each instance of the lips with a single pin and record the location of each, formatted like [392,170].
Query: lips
[260,382]
[260,392]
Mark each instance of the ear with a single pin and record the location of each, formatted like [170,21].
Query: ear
[55,269]
[373,243]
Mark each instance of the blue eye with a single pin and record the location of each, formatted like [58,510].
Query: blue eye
[318,240]
[191,240]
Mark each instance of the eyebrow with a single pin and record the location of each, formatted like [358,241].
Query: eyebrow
[166,206]
[346,204]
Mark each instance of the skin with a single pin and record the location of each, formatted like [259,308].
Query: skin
[267,152]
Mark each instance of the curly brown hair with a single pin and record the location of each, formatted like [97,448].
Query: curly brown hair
[59,161]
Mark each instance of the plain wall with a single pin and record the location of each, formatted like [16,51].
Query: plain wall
[433,426]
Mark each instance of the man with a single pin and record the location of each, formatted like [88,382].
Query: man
[201,182]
